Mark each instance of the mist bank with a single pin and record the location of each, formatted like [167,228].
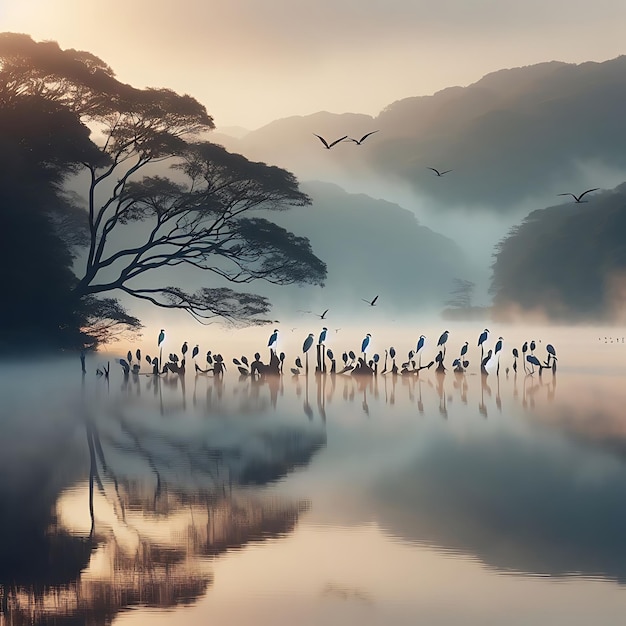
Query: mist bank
[371,248]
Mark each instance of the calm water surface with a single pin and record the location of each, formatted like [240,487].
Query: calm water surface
[437,500]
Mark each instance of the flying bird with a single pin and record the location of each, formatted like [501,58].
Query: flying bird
[327,145]
[578,198]
[370,302]
[323,315]
[438,172]
[358,142]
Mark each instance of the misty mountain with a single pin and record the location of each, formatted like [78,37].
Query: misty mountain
[371,247]
[567,261]
[513,136]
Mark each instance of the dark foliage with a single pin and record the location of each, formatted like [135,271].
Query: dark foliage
[567,261]
[49,100]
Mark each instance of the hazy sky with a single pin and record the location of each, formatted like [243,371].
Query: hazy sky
[252,61]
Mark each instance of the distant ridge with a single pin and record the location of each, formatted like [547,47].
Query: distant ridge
[509,136]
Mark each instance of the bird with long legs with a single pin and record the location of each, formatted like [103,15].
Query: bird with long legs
[515,357]
[420,345]
[442,341]
[481,341]
[308,342]
[271,344]
[365,343]
[496,354]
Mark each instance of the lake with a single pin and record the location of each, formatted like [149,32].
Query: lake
[321,499]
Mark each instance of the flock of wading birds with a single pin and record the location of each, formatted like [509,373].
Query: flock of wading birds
[351,364]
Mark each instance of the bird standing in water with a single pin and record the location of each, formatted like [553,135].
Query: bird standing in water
[365,343]
[442,340]
[308,342]
[322,337]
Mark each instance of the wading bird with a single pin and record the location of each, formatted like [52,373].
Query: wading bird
[365,343]
[358,142]
[442,342]
[327,145]
[161,337]
[273,338]
[370,302]
[322,337]
[481,341]
[497,349]
[308,342]
[420,345]
[194,352]
[438,172]
[534,361]
[579,198]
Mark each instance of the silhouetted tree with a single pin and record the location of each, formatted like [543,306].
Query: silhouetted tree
[202,221]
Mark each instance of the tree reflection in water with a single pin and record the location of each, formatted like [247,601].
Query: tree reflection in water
[157,502]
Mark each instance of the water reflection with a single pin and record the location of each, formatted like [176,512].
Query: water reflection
[131,485]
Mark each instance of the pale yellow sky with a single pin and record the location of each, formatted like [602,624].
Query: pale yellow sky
[253,61]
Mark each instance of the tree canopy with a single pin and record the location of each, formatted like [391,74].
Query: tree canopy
[70,120]
[567,262]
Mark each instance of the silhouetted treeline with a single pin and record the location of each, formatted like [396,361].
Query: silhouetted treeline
[567,261]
